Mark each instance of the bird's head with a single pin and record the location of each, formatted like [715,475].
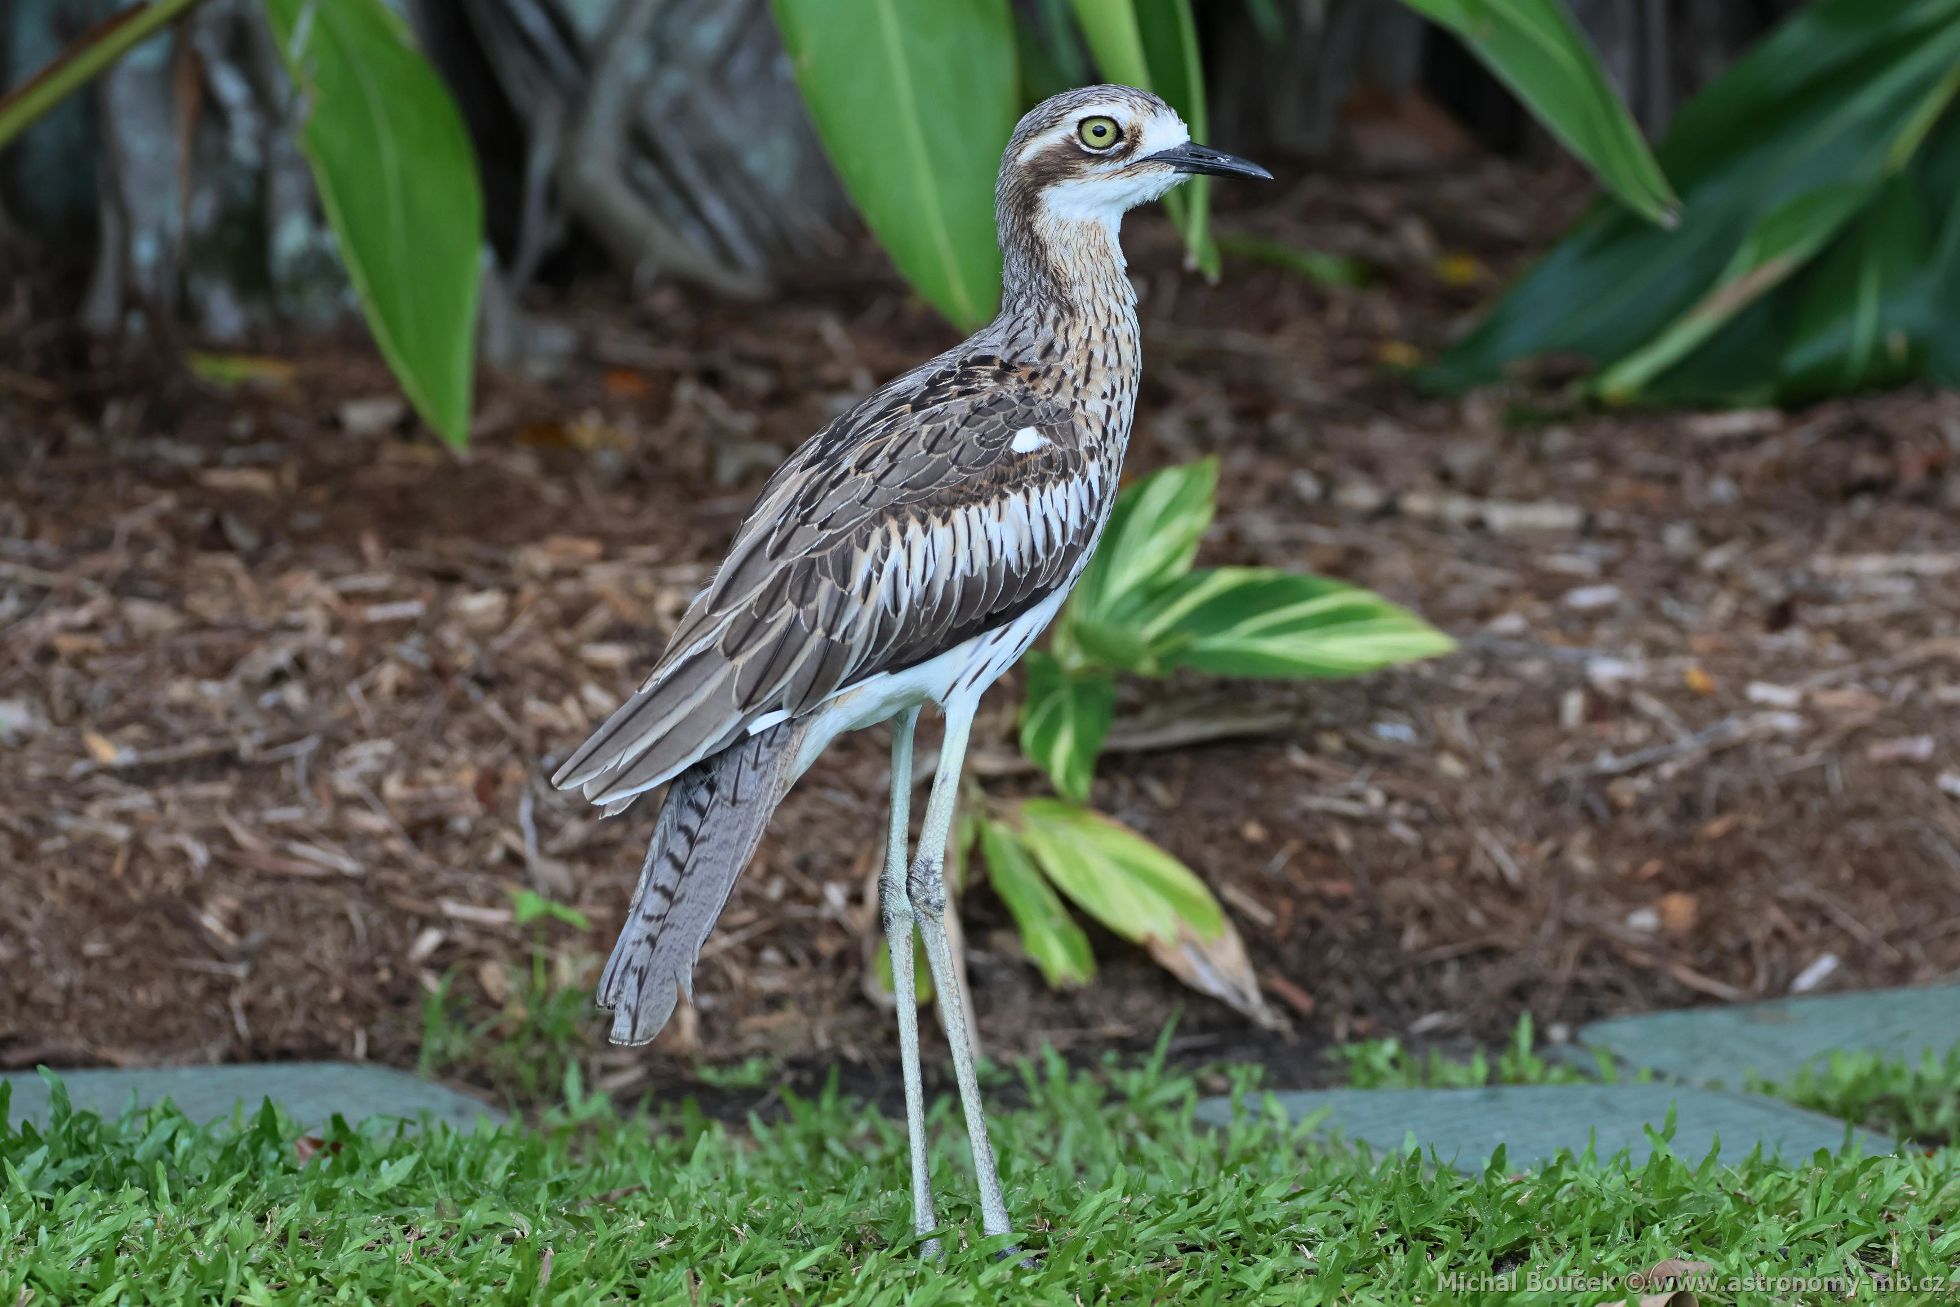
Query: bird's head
[1093,152]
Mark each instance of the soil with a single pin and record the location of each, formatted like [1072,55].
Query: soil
[279,677]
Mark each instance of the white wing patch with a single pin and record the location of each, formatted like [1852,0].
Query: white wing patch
[767,720]
[1027,440]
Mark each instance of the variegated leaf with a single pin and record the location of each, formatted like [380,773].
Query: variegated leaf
[1143,894]
[1064,717]
[1053,941]
[1251,621]
[1150,542]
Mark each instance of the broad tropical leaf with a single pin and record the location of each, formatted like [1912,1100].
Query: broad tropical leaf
[1170,45]
[1143,894]
[1253,621]
[1854,323]
[1053,59]
[1116,876]
[1151,541]
[1846,94]
[1786,238]
[398,180]
[1116,40]
[1937,173]
[1064,717]
[913,104]
[1535,48]
[1053,941]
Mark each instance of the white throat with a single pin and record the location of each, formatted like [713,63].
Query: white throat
[1102,201]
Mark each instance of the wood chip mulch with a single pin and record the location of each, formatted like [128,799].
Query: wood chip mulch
[278,677]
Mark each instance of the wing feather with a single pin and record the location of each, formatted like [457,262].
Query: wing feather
[903,529]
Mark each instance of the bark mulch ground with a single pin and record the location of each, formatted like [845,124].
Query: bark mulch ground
[277,676]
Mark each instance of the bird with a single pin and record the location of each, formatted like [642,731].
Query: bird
[907,554]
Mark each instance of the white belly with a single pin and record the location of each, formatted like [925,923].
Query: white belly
[954,680]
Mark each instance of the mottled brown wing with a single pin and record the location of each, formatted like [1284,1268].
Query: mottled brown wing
[910,525]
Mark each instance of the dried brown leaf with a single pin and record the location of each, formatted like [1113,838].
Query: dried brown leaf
[1678,910]
[494,976]
[1669,1269]
[1218,967]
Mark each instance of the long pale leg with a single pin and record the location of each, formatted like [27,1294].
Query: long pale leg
[896,909]
[927,887]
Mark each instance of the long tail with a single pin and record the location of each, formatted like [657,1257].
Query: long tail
[708,831]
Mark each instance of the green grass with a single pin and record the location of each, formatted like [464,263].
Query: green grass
[1118,1194]
[523,1049]
[1385,1064]
[1912,1100]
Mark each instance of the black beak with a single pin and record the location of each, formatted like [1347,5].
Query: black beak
[1199,158]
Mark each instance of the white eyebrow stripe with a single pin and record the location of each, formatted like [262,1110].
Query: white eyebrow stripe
[1027,440]
[1162,132]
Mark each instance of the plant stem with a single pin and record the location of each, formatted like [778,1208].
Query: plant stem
[85,57]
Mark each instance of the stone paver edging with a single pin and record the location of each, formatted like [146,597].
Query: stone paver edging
[1463,1127]
[1773,1040]
[1706,1056]
[311,1092]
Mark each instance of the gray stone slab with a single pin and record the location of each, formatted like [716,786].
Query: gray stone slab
[1726,1045]
[311,1092]
[1534,1122]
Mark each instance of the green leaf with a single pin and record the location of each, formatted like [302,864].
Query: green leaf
[1085,645]
[1115,875]
[1051,53]
[1786,239]
[398,181]
[1937,172]
[1053,941]
[1116,40]
[966,829]
[1140,607]
[913,104]
[1535,48]
[1143,894]
[1151,541]
[527,906]
[1170,47]
[82,61]
[1265,16]
[1845,94]
[392,1173]
[1250,621]
[881,966]
[1853,324]
[1782,242]
[1064,718]
[1153,44]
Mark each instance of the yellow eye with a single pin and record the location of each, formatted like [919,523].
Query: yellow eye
[1099,133]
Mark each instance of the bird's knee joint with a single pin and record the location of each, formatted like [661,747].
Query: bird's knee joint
[926,889]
